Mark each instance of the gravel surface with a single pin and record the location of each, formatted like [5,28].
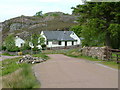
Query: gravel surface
[66,72]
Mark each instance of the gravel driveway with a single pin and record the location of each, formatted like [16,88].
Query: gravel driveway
[66,72]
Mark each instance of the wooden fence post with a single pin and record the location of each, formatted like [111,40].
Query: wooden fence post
[117,59]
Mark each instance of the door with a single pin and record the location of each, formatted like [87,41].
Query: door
[65,43]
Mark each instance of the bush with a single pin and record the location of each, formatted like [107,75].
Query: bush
[43,46]
[3,48]
[15,49]
[35,49]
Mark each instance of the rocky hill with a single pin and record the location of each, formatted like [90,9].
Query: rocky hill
[25,25]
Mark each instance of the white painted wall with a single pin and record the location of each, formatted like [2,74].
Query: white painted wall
[69,43]
[19,41]
[73,35]
[42,34]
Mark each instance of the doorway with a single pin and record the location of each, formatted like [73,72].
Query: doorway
[65,43]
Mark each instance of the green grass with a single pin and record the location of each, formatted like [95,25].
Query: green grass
[7,54]
[9,66]
[41,55]
[19,75]
[23,78]
[112,64]
[84,57]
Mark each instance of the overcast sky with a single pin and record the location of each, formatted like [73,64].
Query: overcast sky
[14,8]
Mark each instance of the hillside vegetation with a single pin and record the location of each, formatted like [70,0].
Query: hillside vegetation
[25,25]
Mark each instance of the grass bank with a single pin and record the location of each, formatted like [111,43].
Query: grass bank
[10,65]
[41,55]
[7,54]
[22,78]
[111,64]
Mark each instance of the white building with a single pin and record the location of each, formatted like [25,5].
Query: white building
[60,38]
[54,39]
[19,42]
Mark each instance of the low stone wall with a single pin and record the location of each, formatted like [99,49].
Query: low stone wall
[96,52]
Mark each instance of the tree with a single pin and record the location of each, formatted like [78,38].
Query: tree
[42,42]
[100,22]
[37,40]
[77,29]
[25,46]
[10,42]
[39,14]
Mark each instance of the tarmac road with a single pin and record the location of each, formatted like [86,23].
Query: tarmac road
[65,72]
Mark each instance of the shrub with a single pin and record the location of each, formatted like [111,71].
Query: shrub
[4,48]
[15,49]
[43,46]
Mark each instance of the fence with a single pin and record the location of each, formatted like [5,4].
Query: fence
[115,55]
[103,53]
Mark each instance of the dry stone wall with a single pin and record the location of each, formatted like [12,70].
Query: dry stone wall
[96,52]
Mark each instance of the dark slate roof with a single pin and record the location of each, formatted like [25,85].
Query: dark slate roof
[58,35]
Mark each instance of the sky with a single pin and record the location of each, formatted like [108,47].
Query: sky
[13,8]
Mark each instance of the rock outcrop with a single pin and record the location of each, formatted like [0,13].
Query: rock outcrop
[32,24]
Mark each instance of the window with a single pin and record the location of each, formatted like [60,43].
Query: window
[22,44]
[72,42]
[55,42]
[59,42]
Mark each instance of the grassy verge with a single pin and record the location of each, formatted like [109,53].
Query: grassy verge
[41,55]
[10,65]
[7,54]
[111,64]
[22,78]
[19,75]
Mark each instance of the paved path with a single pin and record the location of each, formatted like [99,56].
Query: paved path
[66,72]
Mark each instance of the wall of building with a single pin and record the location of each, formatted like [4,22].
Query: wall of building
[73,35]
[69,43]
[42,34]
[19,41]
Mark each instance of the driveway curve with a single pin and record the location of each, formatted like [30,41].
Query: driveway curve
[65,72]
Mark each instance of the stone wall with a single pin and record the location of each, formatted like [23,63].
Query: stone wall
[96,52]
